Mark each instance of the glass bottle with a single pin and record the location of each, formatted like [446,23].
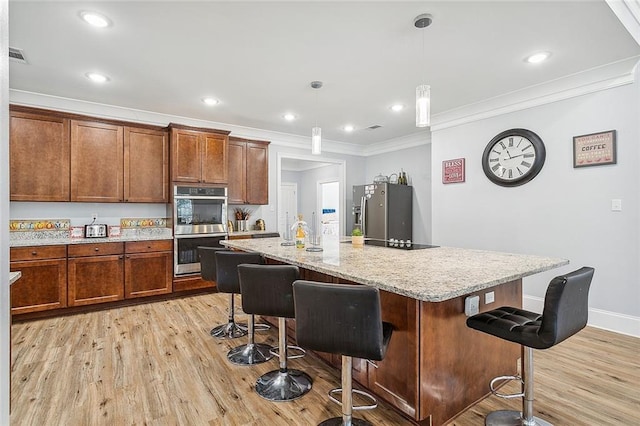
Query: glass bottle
[300,234]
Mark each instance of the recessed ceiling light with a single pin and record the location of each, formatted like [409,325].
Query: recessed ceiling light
[538,57]
[396,107]
[97,77]
[349,128]
[210,101]
[289,116]
[95,19]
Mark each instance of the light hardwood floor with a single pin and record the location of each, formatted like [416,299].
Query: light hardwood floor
[155,364]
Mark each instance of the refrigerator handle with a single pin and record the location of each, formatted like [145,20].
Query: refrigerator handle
[363,214]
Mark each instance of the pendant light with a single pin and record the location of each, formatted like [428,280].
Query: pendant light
[423,91]
[316,132]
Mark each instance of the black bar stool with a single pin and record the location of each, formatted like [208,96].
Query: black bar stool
[566,305]
[227,272]
[342,319]
[268,290]
[208,271]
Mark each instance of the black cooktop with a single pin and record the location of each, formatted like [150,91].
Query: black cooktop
[396,244]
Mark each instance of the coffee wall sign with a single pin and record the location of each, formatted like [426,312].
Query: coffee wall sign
[595,149]
[453,170]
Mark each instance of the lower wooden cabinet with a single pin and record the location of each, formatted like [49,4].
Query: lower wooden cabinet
[148,268]
[43,285]
[96,273]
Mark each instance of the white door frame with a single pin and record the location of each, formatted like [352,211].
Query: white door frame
[342,173]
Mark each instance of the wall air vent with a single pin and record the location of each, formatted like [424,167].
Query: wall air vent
[17,55]
[374,127]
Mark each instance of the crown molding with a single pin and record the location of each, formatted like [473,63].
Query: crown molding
[113,112]
[589,81]
[628,13]
[395,144]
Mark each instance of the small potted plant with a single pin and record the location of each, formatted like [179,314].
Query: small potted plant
[357,239]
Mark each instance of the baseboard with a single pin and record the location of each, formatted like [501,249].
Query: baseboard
[612,321]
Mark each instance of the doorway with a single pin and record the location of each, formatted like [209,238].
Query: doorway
[306,172]
[288,205]
[329,207]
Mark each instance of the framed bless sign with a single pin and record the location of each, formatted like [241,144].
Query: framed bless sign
[453,170]
[595,149]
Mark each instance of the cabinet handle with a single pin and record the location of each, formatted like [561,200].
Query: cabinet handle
[34,253]
[96,249]
[148,246]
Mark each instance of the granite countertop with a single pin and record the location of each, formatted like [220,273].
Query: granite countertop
[42,239]
[431,275]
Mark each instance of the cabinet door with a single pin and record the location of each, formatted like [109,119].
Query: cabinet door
[185,156]
[43,286]
[214,158]
[257,173]
[96,162]
[146,166]
[396,377]
[95,279]
[39,157]
[147,274]
[237,186]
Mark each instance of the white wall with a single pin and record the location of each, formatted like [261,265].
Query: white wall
[416,162]
[564,212]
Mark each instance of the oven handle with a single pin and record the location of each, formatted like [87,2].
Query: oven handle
[200,197]
[220,234]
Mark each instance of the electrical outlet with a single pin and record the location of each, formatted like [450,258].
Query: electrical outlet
[471,305]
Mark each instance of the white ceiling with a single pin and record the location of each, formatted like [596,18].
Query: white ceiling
[259,58]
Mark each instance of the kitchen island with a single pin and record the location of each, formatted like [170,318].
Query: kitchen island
[435,367]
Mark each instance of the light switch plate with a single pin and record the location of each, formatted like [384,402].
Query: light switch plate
[489,297]
[616,205]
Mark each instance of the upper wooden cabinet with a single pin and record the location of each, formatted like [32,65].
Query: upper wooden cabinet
[57,156]
[97,162]
[146,165]
[39,157]
[198,155]
[248,171]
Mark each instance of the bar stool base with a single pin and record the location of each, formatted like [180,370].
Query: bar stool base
[511,418]
[230,330]
[277,385]
[338,421]
[252,353]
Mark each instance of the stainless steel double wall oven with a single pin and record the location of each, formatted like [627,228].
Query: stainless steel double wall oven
[199,219]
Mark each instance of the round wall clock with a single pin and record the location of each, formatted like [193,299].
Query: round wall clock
[513,157]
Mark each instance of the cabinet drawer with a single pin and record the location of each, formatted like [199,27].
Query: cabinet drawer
[38,252]
[148,246]
[79,250]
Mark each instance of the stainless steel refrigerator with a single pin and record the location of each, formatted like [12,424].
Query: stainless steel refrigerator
[383,210]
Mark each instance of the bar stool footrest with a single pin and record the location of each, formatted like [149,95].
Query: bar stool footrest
[275,351]
[374,401]
[505,379]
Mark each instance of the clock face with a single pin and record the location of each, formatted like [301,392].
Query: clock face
[513,157]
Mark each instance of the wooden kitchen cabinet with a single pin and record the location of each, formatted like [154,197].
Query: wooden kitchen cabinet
[248,171]
[146,165]
[198,155]
[43,285]
[148,268]
[97,162]
[39,157]
[96,273]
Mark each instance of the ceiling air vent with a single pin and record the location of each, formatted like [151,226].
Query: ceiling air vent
[17,55]
[374,127]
